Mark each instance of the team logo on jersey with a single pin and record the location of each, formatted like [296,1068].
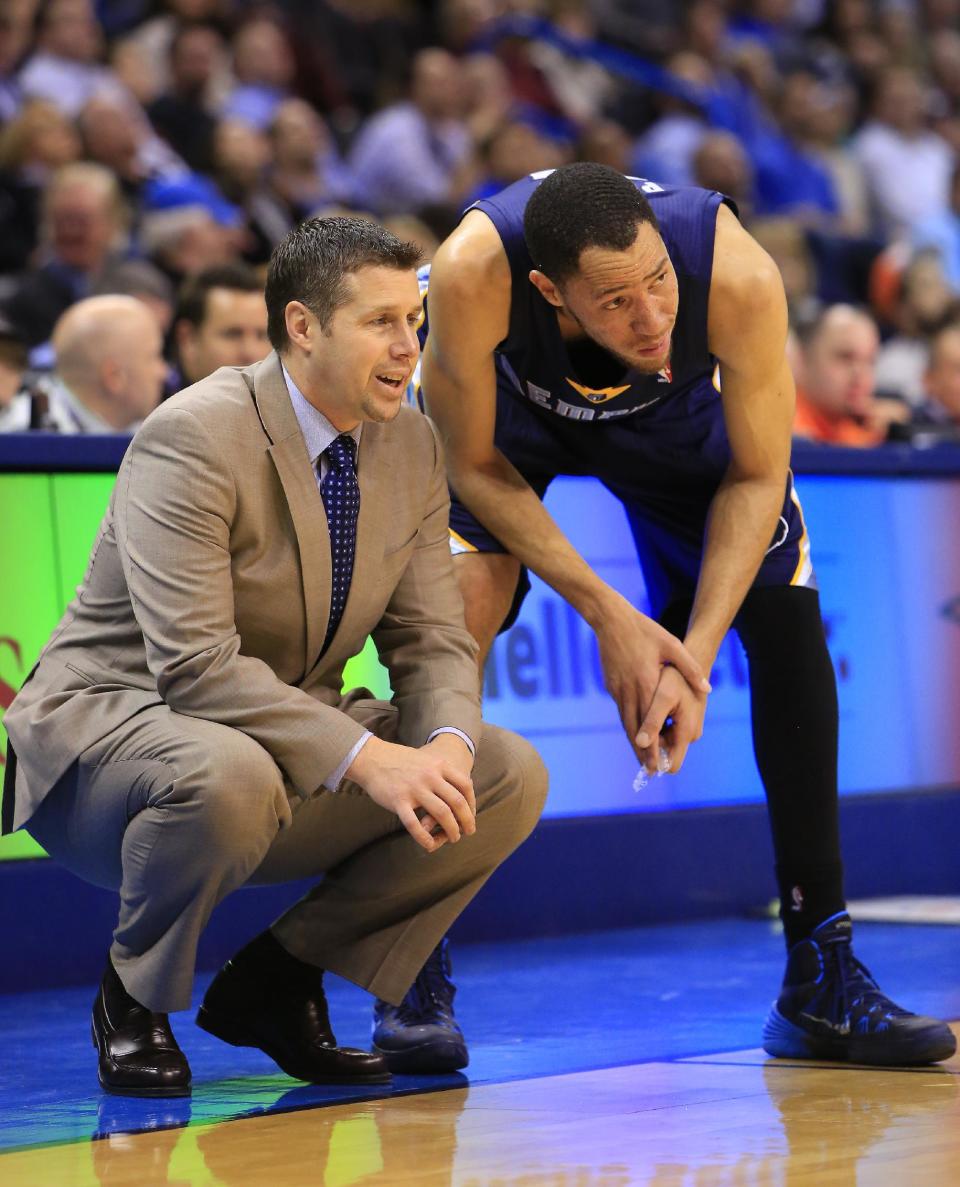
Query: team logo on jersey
[665,374]
[597,395]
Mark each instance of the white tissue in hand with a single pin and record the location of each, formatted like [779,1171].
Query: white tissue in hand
[643,778]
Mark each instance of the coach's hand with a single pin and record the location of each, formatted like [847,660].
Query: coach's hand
[673,721]
[633,652]
[407,781]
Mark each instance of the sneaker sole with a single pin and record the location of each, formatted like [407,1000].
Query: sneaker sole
[785,1040]
[237,1037]
[429,1059]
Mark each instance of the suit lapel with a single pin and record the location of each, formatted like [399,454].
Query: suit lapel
[289,455]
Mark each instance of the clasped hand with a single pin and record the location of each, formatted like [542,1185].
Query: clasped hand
[659,688]
[429,789]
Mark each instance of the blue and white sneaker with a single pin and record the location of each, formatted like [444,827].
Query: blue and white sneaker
[830,1007]
[421,1035]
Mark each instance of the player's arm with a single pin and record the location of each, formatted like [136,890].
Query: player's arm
[747,331]
[470,291]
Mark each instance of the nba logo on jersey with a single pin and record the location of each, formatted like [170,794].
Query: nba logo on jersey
[665,375]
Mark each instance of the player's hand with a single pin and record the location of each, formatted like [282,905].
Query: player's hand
[633,652]
[673,721]
[416,783]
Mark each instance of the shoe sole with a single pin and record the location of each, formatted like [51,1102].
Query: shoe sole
[237,1037]
[785,1040]
[434,1058]
[122,1090]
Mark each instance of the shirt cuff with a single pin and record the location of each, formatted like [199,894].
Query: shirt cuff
[452,729]
[333,781]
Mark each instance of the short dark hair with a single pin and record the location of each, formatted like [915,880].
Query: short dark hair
[579,206]
[192,297]
[311,263]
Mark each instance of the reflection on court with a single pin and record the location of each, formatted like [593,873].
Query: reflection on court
[735,1118]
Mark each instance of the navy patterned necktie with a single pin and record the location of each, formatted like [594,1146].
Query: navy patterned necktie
[341,500]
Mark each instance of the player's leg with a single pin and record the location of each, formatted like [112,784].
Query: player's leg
[829,1006]
[488,585]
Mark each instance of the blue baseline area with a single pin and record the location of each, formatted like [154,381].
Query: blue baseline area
[542,1007]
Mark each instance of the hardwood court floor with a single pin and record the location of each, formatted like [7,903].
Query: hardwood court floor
[548,1101]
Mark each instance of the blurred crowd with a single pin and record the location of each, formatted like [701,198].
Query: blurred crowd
[152,153]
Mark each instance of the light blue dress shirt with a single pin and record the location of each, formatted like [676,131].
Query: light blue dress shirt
[318,433]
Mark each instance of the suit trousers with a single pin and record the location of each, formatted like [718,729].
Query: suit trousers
[176,812]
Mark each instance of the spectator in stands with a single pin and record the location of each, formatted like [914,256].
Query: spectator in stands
[666,149]
[66,69]
[221,321]
[186,239]
[307,172]
[33,145]
[906,165]
[407,156]
[940,412]
[16,31]
[117,134]
[83,224]
[184,113]
[836,403]
[109,368]
[15,406]
[264,68]
[720,163]
[140,279]
[924,303]
[941,232]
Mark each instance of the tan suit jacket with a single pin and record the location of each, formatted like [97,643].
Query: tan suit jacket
[209,589]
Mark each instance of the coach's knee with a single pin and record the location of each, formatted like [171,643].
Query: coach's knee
[234,798]
[517,773]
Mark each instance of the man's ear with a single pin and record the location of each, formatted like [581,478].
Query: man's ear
[112,376]
[301,324]
[546,288]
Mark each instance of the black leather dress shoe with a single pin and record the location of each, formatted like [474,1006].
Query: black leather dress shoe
[138,1054]
[266,998]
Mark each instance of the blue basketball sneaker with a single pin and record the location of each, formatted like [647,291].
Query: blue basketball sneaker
[421,1035]
[830,1007]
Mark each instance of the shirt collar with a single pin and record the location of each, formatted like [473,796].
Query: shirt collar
[317,431]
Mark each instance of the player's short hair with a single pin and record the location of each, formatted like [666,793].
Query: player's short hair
[193,294]
[311,263]
[579,206]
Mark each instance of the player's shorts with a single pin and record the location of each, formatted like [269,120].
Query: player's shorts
[663,463]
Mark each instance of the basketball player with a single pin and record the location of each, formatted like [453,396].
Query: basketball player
[585,323]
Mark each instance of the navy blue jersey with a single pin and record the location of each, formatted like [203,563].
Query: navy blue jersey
[534,358]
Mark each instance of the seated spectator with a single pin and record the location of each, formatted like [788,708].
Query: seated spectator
[184,114]
[220,321]
[407,156]
[720,163]
[185,240]
[65,70]
[33,145]
[264,68]
[923,304]
[836,402]
[83,224]
[140,279]
[307,172]
[907,166]
[108,371]
[117,134]
[15,405]
[666,149]
[941,233]
[939,415]
[16,32]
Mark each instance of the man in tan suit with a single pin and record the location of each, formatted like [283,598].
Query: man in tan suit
[184,731]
